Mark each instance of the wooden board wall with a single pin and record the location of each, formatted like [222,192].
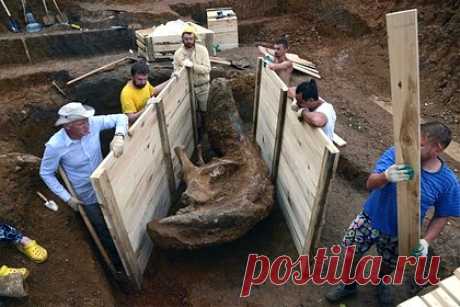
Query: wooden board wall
[301,157]
[405,93]
[267,118]
[133,189]
[446,294]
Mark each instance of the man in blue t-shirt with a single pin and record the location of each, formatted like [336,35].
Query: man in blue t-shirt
[378,222]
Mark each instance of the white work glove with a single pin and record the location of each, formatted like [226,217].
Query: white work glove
[117,145]
[188,63]
[421,249]
[294,106]
[74,202]
[399,172]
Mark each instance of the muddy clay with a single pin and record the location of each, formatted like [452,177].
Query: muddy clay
[347,40]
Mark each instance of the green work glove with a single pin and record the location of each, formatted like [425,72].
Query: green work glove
[399,172]
[421,249]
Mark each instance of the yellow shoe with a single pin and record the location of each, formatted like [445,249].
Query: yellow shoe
[34,251]
[4,271]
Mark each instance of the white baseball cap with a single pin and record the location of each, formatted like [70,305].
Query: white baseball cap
[73,111]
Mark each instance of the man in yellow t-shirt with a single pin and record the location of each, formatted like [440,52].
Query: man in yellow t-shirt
[137,91]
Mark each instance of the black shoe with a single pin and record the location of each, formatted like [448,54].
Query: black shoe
[384,295]
[340,292]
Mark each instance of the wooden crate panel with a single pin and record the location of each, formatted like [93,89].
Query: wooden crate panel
[305,163]
[133,188]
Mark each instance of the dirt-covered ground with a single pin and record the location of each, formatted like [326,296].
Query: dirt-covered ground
[347,41]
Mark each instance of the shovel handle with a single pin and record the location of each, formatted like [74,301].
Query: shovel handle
[42,196]
[57,8]
[6,9]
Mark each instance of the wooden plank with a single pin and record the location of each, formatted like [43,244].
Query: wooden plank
[290,56]
[165,145]
[294,228]
[317,215]
[457,272]
[306,159]
[266,142]
[413,302]
[228,46]
[192,105]
[338,141]
[226,38]
[452,286]
[439,297]
[300,199]
[255,111]
[279,132]
[403,50]
[223,26]
[306,71]
[136,190]
[120,236]
[270,86]
[299,179]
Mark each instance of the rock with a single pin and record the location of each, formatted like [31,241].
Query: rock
[12,285]
[224,198]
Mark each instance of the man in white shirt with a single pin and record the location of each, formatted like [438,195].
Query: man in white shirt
[314,110]
[77,148]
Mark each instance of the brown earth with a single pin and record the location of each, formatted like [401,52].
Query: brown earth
[346,39]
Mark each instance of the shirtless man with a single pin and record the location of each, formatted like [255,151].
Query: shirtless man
[281,65]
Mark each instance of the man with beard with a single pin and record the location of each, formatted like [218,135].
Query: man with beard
[137,91]
[281,65]
[196,57]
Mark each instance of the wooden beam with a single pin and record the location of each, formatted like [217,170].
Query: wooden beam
[92,72]
[192,105]
[340,142]
[403,50]
[306,70]
[279,132]
[416,301]
[163,129]
[255,111]
[318,213]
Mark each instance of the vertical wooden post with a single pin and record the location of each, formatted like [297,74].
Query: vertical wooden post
[255,112]
[279,133]
[159,107]
[192,105]
[317,214]
[403,50]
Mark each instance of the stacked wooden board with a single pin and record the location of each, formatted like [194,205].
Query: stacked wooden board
[138,186]
[224,23]
[162,42]
[301,159]
[298,63]
[447,294]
